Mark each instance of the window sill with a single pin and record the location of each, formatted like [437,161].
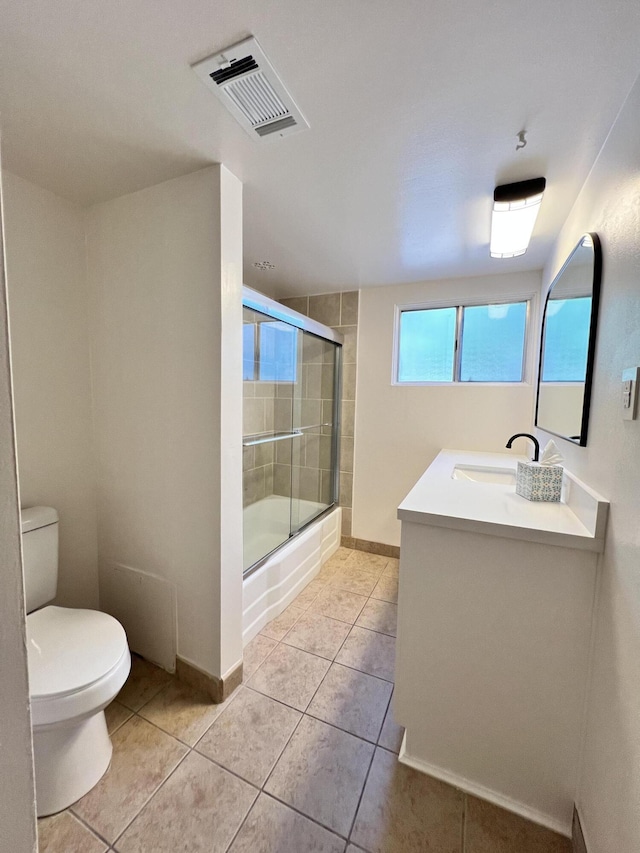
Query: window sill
[461,384]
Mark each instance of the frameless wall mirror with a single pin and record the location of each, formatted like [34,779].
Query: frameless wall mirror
[568,344]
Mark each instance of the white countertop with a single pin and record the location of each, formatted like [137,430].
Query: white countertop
[437,499]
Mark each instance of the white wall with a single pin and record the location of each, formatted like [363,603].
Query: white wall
[17,792]
[46,279]
[164,269]
[400,430]
[609,791]
[230,400]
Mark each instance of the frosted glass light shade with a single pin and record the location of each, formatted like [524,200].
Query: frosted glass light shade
[515,209]
[512,225]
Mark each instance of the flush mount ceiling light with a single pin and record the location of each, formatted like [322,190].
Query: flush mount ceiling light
[515,209]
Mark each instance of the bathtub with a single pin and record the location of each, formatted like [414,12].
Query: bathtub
[268,590]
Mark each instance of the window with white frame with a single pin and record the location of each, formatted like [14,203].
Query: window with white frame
[461,343]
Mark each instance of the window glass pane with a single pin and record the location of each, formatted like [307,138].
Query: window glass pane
[566,334]
[493,343]
[278,346]
[427,342]
[248,350]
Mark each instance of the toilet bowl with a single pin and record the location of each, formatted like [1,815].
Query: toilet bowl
[78,661]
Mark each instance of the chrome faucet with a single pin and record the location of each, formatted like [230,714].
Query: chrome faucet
[536,443]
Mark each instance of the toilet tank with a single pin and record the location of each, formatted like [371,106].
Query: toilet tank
[40,555]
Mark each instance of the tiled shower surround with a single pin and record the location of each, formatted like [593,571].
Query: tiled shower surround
[340,312]
[304,464]
[257,461]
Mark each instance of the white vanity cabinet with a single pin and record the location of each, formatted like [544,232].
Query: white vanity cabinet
[494,632]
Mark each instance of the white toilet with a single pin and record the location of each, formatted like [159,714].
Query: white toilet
[78,661]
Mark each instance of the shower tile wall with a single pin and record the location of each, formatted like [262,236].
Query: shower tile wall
[340,311]
[303,465]
[258,461]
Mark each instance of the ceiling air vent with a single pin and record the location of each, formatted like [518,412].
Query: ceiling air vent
[247,84]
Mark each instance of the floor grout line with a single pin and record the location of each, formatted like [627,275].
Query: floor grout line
[355,668]
[306,816]
[148,800]
[334,660]
[87,825]
[242,822]
[281,753]
[364,785]
[231,699]
[373,630]
[164,731]
[346,731]
[331,662]
[306,712]
[463,839]
[262,789]
[226,769]
[384,719]
[281,701]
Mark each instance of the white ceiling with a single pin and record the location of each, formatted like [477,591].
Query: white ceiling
[414,109]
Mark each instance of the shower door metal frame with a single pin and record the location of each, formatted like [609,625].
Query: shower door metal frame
[337,423]
[259,302]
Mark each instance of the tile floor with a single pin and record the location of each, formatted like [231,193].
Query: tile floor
[301,759]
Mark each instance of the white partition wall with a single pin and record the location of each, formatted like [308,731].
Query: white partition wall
[17,793]
[165,277]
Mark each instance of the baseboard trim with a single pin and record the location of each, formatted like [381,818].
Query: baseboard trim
[217,689]
[483,793]
[370,547]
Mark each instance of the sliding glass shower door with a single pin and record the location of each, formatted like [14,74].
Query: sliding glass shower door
[290,434]
[313,468]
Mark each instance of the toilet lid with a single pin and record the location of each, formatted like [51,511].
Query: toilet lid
[70,649]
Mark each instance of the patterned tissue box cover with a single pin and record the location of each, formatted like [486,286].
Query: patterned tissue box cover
[537,482]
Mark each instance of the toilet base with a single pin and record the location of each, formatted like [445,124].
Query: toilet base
[69,760]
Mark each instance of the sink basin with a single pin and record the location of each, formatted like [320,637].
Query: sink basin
[484,474]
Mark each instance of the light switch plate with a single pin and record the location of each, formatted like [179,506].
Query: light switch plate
[630,393]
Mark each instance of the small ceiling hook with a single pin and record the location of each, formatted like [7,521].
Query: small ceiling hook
[522,136]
